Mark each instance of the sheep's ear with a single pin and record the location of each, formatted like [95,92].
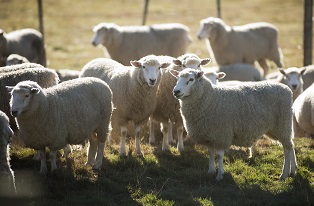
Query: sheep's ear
[136,63]
[1,32]
[282,71]
[199,74]
[174,73]
[177,62]
[35,90]
[205,61]
[221,75]
[9,88]
[165,65]
[303,70]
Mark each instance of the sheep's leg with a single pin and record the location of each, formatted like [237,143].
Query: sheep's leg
[53,160]
[180,145]
[124,131]
[293,162]
[170,136]
[100,155]
[43,162]
[165,137]
[36,155]
[250,151]
[286,164]
[91,150]
[221,171]
[264,65]
[212,168]
[137,140]
[151,139]
[66,151]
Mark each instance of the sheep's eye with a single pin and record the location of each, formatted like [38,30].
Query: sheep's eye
[190,80]
[144,67]
[27,95]
[183,65]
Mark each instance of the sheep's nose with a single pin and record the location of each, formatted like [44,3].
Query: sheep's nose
[94,43]
[176,92]
[14,113]
[294,86]
[152,81]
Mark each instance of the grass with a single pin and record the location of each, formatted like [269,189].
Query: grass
[160,178]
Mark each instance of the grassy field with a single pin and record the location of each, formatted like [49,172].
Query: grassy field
[158,178]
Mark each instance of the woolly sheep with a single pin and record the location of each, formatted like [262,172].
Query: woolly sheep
[241,44]
[303,113]
[14,59]
[292,77]
[25,42]
[43,76]
[159,39]
[67,74]
[68,113]
[134,91]
[240,72]
[7,186]
[22,66]
[219,123]
[167,106]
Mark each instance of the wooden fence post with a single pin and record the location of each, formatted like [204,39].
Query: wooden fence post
[218,9]
[40,17]
[307,32]
[145,12]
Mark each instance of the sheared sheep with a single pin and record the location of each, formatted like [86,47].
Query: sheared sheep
[303,113]
[7,186]
[159,39]
[68,113]
[166,111]
[292,77]
[25,42]
[237,115]
[240,72]
[14,59]
[241,44]
[134,91]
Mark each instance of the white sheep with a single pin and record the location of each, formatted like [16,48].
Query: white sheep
[292,77]
[218,116]
[308,76]
[134,91]
[68,113]
[14,59]
[303,113]
[241,44]
[159,39]
[166,111]
[240,72]
[7,186]
[25,42]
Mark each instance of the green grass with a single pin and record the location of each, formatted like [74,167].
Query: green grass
[160,178]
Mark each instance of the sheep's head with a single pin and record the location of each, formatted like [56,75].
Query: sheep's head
[293,78]
[21,96]
[185,80]
[103,34]
[191,61]
[208,27]
[150,68]
[213,76]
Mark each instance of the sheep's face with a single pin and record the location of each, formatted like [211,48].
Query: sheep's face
[150,70]
[185,81]
[192,62]
[20,98]
[206,28]
[102,34]
[214,76]
[293,78]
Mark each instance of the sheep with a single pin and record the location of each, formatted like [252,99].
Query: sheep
[25,42]
[14,59]
[7,185]
[67,74]
[159,39]
[237,115]
[22,66]
[303,113]
[308,76]
[241,44]
[166,111]
[213,76]
[134,91]
[68,113]
[292,77]
[240,72]
[12,75]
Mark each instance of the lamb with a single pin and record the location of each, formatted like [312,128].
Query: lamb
[159,39]
[292,77]
[68,113]
[167,106]
[25,42]
[134,91]
[67,74]
[241,44]
[11,75]
[218,123]
[303,113]
[240,72]
[7,186]
[14,59]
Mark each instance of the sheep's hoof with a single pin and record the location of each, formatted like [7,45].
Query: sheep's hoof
[43,172]
[180,149]
[211,171]
[219,178]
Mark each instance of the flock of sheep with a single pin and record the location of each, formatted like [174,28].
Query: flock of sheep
[159,83]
